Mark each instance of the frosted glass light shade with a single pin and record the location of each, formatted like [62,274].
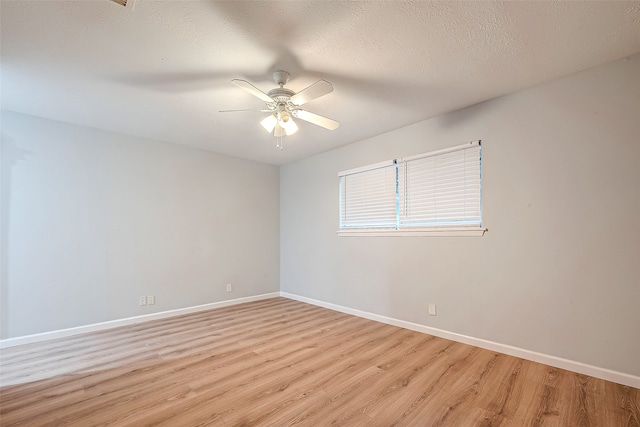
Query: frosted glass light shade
[290,127]
[269,123]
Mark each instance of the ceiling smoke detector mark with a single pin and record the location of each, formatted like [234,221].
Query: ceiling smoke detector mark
[129,4]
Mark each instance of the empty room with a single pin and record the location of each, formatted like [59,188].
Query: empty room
[314,213]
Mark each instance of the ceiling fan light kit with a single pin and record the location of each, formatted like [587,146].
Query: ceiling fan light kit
[284,104]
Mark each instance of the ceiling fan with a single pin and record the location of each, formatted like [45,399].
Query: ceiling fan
[284,104]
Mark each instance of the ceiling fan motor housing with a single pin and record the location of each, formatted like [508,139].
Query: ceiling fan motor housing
[281,94]
[281,97]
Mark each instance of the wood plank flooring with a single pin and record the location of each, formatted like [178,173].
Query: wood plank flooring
[279,362]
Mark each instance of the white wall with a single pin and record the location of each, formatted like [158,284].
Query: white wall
[91,220]
[559,270]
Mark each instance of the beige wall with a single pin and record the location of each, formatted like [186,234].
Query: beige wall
[91,220]
[557,273]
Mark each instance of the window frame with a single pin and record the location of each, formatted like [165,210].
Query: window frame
[446,229]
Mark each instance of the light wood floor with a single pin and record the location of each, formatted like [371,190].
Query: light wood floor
[280,362]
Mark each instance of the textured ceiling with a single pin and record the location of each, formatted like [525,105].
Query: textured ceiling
[162,69]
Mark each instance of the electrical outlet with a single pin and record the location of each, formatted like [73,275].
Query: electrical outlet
[142,300]
[432,310]
[151,300]
[229,289]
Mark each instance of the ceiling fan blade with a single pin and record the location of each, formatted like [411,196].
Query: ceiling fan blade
[316,119]
[235,111]
[316,90]
[252,90]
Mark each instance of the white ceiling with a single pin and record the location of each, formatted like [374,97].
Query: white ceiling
[162,69]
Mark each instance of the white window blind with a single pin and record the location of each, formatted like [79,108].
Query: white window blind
[441,188]
[437,190]
[368,197]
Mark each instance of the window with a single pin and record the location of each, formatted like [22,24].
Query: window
[432,193]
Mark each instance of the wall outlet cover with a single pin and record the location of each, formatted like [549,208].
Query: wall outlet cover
[432,310]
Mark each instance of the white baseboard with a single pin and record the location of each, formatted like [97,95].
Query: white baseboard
[558,362]
[28,339]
